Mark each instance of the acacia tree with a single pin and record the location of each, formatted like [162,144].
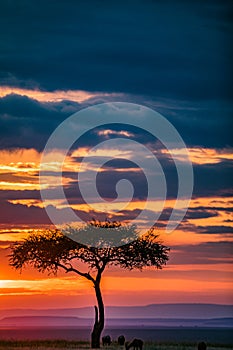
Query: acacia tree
[51,250]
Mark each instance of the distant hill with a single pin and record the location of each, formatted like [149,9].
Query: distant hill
[75,322]
[41,321]
[181,311]
[172,311]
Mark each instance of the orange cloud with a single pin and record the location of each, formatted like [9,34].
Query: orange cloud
[201,156]
[54,96]
[210,282]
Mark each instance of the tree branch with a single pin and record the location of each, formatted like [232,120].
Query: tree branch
[72,269]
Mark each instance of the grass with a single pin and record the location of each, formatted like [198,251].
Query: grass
[43,344]
[65,345]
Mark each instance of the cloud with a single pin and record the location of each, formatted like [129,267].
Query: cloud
[204,253]
[181,69]
[213,209]
[205,212]
[103,48]
[215,229]
[194,213]
[28,123]
[21,214]
[209,180]
[213,179]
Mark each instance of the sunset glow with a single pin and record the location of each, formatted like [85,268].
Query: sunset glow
[169,63]
[180,276]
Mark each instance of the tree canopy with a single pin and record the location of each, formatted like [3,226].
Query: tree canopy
[51,250]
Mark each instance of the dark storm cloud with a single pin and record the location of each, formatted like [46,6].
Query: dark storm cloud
[21,214]
[213,209]
[213,179]
[33,215]
[149,51]
[208,229]
[215,229]
[209,179]
[106,183]
[173,56]
[192,214]
[205,124]
[206,184]
[171,49]
[27,123]
[204,253]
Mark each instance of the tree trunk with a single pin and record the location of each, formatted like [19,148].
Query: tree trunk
[99,319]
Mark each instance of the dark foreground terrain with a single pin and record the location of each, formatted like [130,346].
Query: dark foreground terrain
[215,336]
[78,345]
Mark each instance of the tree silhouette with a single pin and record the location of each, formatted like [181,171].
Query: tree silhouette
[51,250]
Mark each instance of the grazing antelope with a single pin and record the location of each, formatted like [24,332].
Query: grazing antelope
[136,344]
[201,346]
[106,340]
[121,340]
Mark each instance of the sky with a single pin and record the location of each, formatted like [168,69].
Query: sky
[58,57]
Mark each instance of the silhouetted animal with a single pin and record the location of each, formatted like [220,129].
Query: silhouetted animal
[136,344]
[121,340]
[202,346]
[106,340]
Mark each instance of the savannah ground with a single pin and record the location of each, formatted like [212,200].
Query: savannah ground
[64,345]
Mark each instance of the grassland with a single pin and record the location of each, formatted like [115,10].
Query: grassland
[65,345]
